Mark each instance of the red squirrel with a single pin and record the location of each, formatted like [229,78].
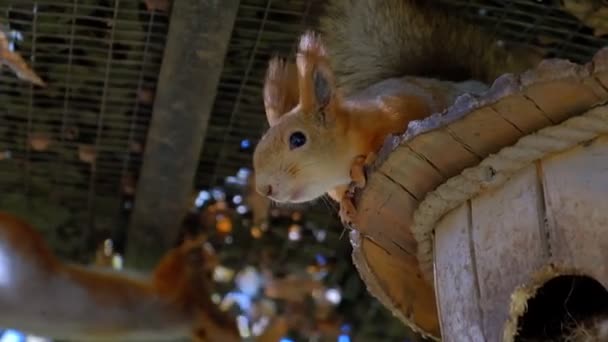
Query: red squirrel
[41,295]
[326,127]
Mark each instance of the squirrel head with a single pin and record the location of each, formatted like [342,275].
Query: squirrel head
[300,157]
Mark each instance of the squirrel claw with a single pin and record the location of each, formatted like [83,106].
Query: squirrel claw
[357,173]
[358,181]
[347,210]
[357,170]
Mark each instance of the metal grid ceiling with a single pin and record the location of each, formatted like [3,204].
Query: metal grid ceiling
[101,59]
[69,153]
[265,27]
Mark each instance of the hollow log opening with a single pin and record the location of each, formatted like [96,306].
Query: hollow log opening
[566,308]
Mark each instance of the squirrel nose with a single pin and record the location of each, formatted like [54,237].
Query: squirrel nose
[265,190]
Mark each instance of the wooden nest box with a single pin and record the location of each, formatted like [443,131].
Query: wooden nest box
[476,214]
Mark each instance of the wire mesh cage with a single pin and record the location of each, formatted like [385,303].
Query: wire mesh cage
[564,29]
[263,28]
[71,150]
[79,141]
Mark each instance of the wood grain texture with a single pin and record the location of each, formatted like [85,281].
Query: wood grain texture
[484,132]
[443,151]
[561,99]
[411,296]
[576,193]
[456,279]
[384,215]
[508,244]
[412,172]
[552,213]
[602,79]
[596,86]
[522,113]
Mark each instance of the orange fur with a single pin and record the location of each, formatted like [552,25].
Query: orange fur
[106,305]
[380,65]
[282,88]
[343,134]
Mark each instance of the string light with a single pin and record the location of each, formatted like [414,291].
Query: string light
[223,224]
[320,235]
[321,260]
[233,180]
[243,173]
[343,338]
[245,144]
[117,262]
[218,194]
[296,216]
[31,338]
[12,336]
[333,296]
[108,247]
[222,274]
[202,197]
[241,209]
[294,232]
[216,298]
[243,326]
[250,281]
[256,232]
[258,327]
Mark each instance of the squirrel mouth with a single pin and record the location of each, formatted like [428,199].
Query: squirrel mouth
[289,197]
[296,196]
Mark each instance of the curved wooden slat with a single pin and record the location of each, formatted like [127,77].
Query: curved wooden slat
[441,147]
[549,219]
[384,273]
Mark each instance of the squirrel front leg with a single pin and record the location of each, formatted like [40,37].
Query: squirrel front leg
[343,194]
[357,169]
[344,198]
[397,112]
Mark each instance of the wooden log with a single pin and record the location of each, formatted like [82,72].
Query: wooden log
[196,47]
[449,162]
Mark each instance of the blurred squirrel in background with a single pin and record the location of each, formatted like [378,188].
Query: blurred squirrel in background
[41,295]
[376,66]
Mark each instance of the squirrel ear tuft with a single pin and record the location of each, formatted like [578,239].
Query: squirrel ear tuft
[280,89]
[322,88]
[315,76]
[311,43]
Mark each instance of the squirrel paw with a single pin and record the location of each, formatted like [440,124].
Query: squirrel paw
[348,210]
[357,170]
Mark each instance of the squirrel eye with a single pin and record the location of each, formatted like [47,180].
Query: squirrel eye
[296,139]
